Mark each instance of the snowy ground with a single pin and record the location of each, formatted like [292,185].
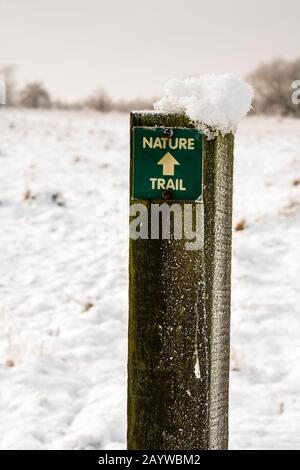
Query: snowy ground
[63,282]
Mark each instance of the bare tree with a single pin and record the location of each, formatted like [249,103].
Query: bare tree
[34,95]
[100,101]
[273,87]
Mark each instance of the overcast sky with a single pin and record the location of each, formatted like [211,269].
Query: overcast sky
[131,47]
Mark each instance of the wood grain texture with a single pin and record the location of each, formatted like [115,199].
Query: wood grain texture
[179,311]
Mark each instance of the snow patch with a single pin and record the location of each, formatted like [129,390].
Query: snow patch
[216,101]
[197,368]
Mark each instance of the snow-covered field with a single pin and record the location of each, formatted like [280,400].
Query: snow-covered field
[63,282]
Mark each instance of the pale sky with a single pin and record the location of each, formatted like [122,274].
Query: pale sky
[131,47]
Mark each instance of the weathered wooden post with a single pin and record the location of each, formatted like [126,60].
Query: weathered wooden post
[179,298]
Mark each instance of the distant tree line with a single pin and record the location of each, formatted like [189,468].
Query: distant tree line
[35,95]
[273,88]
[272,83]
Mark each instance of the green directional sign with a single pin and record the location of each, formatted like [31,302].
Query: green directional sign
[167,163]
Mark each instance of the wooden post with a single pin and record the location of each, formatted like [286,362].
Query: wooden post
[179,317]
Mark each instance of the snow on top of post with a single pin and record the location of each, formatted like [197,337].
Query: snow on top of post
[215,102]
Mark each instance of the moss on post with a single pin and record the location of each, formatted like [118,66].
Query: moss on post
[179,315]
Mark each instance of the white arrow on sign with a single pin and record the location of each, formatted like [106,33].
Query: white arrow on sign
[168,162]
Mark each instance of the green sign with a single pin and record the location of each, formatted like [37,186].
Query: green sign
[167,163]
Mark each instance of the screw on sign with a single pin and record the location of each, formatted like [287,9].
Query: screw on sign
[179,300]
